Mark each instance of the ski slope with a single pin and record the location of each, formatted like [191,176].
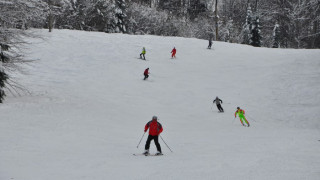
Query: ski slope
[89,105]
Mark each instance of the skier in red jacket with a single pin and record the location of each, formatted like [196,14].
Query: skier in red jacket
[155,128]
[174,51]
[146,73]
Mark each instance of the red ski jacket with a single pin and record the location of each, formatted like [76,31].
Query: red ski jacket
[174,51]
[155,128]
[146,72]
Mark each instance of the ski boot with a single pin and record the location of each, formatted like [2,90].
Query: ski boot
[146,153]
[158,153]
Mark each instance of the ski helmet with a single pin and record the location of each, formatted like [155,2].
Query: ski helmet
[238,107]
[154,117]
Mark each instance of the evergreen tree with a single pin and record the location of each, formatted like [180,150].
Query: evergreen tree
[247,29]
[255,39]
[121,16]
[3,76]
[276,36]
[78,16]
[99,15]
[227,31]
[196,7]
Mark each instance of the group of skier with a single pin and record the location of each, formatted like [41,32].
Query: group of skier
[155,128]
[143,53]
[239,112]
[173,52]
[142,56]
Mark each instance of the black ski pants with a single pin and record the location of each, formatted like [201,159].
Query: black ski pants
[145,76]
[156,141]
[143,56]
[219,107]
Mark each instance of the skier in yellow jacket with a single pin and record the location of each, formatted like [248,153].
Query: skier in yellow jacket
[242,118]
[143,53]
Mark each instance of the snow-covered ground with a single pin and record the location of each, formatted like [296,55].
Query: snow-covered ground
[89,106]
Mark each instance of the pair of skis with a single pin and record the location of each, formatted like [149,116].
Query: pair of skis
[148,154]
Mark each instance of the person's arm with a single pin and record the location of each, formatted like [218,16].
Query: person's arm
[146,127]
[160,129]
[221,101]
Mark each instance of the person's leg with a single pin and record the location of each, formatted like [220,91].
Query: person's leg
[147,146]
[241,120]
[245,119]
[221,109]
[218,106]
[144,57]
[156,141]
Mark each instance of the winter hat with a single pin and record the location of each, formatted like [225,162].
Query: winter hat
[154,117]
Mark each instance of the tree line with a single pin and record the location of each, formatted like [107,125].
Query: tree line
[272,23]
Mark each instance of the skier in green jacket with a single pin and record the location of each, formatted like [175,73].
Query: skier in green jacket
[143,53]
[242,118]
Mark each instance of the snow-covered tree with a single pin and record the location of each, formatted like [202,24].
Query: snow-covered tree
[100,16]
[228,31]
[11,57]
[247,28]
[256,38]
[15,16]
[276,36]
[3,76]
[121,16]
[22,14]
[55,9]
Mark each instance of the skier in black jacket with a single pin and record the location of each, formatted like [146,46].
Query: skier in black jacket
[217,101]
[210,43]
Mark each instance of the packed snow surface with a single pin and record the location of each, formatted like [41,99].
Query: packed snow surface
[88,107]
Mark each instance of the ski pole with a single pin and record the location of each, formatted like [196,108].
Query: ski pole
[141,140]
[165,143]
[212,107]
[233,119]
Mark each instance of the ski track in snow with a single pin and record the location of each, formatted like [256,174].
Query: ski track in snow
[88,107]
